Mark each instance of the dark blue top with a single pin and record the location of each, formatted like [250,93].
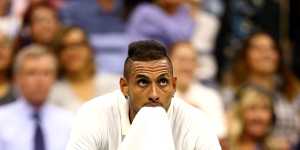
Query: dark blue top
[92,18]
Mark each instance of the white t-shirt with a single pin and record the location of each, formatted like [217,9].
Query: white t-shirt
[103,122]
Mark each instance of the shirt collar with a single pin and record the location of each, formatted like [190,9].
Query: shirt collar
[28,109]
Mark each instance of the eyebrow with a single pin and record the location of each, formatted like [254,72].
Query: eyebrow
[141,76]
[163,75]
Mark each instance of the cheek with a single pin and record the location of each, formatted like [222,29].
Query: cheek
[137,95]
[266,116]
[253,58]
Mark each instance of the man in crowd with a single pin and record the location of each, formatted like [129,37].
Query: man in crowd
[31,123]
[147,90]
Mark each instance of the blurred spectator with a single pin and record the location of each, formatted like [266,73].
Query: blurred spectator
[260,62]
[251,121]
[184,58]
[7,93]
[79,81]
[204,37]
[40,25]
[103,21]
[9,23]
[19,7]
[215,7]
[242,18]
[31,123]
[95,16]
[168,21]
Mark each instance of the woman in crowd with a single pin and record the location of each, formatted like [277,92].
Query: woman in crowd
[260,62]
[184,58]
[7,93]
[251,121]
[40,25]
[79,81]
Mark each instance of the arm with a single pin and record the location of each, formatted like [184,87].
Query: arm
[86,133]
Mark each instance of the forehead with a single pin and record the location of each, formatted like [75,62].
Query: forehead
[155,67]
[255,99]
[42,12]
[38,62]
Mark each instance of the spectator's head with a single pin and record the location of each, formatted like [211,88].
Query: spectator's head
[107,5]
[184,59]
[253,115]
[148,76]
[169,5]
[35,72]
[74,53]
[6,56]
[41,22]
[261,56]
[4,7]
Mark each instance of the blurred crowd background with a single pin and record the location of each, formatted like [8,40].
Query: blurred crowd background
[236,60]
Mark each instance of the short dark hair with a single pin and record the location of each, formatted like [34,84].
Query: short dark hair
[145,50]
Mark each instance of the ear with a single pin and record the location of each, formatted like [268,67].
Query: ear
[124,86]
[174,83]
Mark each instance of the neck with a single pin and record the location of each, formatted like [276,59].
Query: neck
[131,114]
[36,106]
[247,142]
[266,81]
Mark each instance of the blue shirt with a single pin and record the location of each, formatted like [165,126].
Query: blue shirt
[92,18]
[17,126]
[149,21]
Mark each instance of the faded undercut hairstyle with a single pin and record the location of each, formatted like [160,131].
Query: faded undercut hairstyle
[147,50]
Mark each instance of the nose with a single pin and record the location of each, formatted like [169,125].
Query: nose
[154,97]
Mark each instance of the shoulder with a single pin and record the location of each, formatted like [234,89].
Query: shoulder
[8,109]
[146,9]
[186,111]
[94,120]
[99,109]
[59,114]
[194,123]
[102,102]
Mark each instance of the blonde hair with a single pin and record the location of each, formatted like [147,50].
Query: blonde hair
[247,96]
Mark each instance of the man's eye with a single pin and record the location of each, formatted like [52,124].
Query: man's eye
[163,82]
[142,82]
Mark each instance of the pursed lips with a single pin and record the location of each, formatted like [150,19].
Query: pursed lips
[152,104]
